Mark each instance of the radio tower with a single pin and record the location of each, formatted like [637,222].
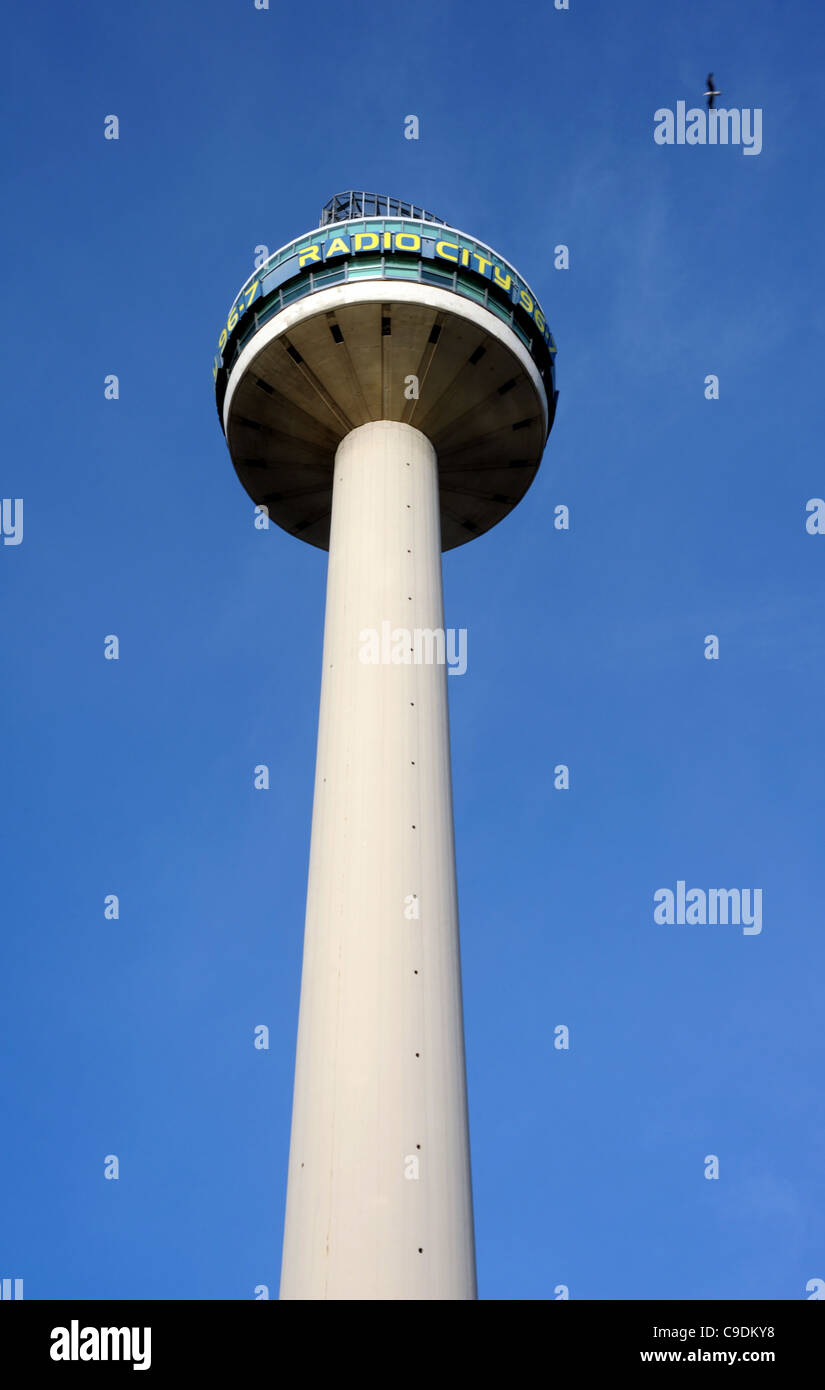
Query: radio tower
[386,388]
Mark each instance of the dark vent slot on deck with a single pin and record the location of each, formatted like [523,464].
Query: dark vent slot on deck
[435,333]
[294,354]
[522,424]
[336,333]
[264,385]
[386,328]
[508,386]
[477,355]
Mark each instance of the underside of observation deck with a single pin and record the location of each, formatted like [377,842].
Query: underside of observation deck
[486,413]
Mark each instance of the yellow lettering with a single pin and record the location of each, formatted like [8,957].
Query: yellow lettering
[442,248]
[502,280]
[337,247]
[407,241]
[539,317]
[313,253]
[365,241]
[387,241]
[526,301]
[482,261]
[465,256]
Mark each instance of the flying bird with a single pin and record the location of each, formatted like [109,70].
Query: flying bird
[710,93]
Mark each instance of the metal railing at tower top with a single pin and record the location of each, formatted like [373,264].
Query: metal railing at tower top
[343,207]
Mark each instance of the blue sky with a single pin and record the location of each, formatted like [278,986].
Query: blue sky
[585,647]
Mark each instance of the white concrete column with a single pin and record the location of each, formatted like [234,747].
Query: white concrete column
[379,1202]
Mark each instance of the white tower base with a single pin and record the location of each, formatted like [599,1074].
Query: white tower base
[379,1201]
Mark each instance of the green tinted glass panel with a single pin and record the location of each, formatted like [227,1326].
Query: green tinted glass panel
[272,308]
[401,270]
[364,270]
[327,277]
[296,291]
[470,290]
[437,277]
[498,309]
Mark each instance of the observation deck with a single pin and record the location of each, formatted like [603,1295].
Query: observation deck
[385,312]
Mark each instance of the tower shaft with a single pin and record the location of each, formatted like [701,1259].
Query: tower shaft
[379,1202]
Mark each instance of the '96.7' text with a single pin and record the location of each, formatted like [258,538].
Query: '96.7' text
[238,308]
